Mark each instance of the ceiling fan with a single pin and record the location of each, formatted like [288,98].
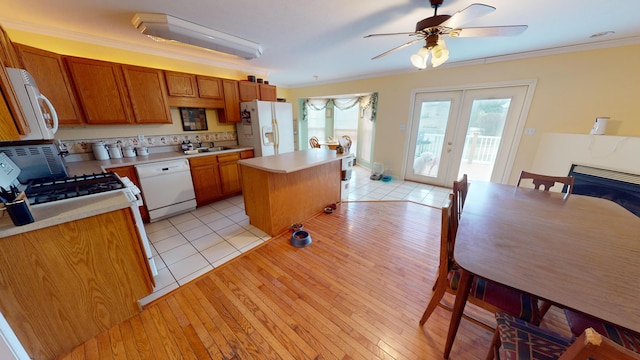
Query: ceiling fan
[431,30]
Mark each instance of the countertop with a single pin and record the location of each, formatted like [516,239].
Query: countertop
[98,166]
[61,211]
[293,161]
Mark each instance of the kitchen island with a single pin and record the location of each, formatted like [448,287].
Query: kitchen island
[288,188]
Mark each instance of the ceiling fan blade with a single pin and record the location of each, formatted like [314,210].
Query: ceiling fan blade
[396,48]
[387,34]
[467,14]
[512,30]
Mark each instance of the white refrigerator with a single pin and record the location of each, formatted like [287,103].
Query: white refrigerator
[267,126]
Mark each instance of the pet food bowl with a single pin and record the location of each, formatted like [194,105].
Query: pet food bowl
[300,239]
[328,210]
[296,226]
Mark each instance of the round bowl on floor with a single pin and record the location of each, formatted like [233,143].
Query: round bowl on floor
[300,238]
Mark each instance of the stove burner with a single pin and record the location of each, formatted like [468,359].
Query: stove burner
[47,190]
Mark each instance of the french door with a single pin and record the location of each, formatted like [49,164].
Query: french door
[467,131]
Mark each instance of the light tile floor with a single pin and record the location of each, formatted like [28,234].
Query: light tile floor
[188,245]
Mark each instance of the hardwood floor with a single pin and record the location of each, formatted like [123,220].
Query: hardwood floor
[357,292]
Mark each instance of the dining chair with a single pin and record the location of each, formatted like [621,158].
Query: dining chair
[546,182]
[314,143]
[578,322]
[485,294]
[515,339]
[460,188]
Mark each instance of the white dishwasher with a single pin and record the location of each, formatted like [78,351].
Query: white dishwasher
[167,188]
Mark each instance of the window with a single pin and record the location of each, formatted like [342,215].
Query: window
[316,123]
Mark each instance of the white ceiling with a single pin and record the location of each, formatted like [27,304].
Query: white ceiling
[311,42]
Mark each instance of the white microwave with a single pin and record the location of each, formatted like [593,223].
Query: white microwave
[37,109]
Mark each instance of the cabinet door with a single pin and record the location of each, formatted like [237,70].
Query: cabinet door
[148,95]
[181,84]
[231,111]
[206,179]
[48,70]
[130,172]
[210,87]
[101,91]
[229,173]
[268,92]
[8,54]
[248,91]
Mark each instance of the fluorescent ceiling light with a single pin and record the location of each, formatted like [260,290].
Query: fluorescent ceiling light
[165,27]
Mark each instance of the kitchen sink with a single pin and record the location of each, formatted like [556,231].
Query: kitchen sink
[206,149]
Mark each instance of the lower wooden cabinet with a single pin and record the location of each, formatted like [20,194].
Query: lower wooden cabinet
[206,179]
[229,173]
[66,283]
[217,177]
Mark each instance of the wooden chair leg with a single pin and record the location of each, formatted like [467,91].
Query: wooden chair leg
[546,305]
[437,296]
[494,349]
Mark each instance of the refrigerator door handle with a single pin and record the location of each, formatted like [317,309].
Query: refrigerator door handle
[276,133]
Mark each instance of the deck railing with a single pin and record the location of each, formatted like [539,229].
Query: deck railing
[477,148]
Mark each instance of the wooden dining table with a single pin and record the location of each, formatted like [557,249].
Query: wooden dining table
[576,251]
[331,145]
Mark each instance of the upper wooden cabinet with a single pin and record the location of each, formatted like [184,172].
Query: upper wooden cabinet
[255,91]
[47,68]
[231,111]
[189,90]
[12,120]
[101,91]
[248,91]
[210,87]
[148,95]
[111,93]
[181,84]
[268,92]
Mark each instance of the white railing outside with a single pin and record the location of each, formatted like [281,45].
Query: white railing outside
[477,148]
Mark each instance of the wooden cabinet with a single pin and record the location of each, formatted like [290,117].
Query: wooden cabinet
[47,68]
[196,91]
[248,91]
[148,95]
[12,120]
[181,84]
[130,172]
[206,179]
[231,111]
[229,173]
[111,93]
[101,91]
[66,283]
[210,87]
[268,92]
[217,177]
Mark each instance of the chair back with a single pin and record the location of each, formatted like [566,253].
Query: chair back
[460,188]
[348,141]
[546,182]
[591,345]
[313,142]
[447,238]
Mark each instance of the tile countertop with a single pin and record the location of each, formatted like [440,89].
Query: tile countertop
[98,166]
[61,211]
[293,161]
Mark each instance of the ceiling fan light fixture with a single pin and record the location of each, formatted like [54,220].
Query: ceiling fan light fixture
[439,54]
[420,58]
[171,29]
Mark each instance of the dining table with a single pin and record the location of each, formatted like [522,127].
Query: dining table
[576,251]
[331,145]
